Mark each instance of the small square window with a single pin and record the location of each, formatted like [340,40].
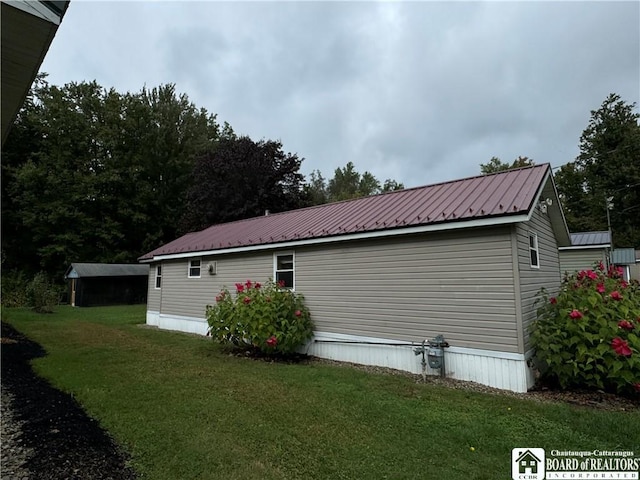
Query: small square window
[194,268]
[284,270]
[158,276]
[534,252]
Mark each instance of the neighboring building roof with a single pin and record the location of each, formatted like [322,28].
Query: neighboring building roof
[591,238]
[500,198]
[28,28]
[623,256]
[84,270]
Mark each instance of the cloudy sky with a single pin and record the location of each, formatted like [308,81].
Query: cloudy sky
[420,92]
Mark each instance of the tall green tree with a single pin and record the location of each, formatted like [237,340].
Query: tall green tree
[239,179]
[608,167]
[90,174]
[347,183]
[316,188]
[495,165]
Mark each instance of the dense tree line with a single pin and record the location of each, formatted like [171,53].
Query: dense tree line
[93,175]
[89,174]
[346,184]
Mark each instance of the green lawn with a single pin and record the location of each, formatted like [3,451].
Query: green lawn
[184,410]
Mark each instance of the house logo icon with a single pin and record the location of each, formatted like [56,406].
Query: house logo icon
[527,464]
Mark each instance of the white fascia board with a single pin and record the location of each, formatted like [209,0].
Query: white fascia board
[538,194]
[485,222]
[585,247]
[36,9]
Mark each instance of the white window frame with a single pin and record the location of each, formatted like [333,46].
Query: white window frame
[275,267]
[534,248]
[158,277]
[190,266]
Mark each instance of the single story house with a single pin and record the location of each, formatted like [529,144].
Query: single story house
[586,249]
[464,259]
[93,284]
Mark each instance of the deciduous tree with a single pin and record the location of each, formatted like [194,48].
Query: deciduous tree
[495,165]
[608,167]
[239,179]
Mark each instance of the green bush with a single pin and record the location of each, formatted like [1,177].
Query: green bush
[267,318]
[42,295]
[588,336]
[14,289]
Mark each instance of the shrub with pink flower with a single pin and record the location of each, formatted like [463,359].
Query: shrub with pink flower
[262,317]
[585,337]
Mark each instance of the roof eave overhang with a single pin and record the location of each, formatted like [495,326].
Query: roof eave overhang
[439,227]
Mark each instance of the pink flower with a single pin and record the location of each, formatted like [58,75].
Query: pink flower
[626,324]
[636,386]
[219,298]
[553,300]
[273,341]
[601,266]
[592,275]
[616,295]
[248,284]
[298,313]
[575,314]
[257,285]
[246,300]
[239,287]
[281,283]
[600,288]
[621,347]
[624,284]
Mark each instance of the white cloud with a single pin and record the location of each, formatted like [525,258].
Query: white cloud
[419,92]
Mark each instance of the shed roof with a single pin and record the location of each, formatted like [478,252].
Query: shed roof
[623,256]
[503,197]
[85,270]
[591,238]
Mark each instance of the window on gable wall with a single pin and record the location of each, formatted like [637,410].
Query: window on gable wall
[533,250]
[284,269]
[194,268]
[158,276]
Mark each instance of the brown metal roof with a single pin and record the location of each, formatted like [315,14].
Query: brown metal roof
[498,195]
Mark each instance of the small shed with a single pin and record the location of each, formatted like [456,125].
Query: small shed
[624,258]
[586,249]
[93,284]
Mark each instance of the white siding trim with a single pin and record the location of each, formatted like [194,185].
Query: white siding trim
[510,219]
[504,370]
[585,247]
[152,318]
[183,324]
[36,9]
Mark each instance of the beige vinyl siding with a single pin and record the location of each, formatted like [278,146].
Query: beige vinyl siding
[153,294]
[583,259]
[459,284]
[189,296]
[531,280]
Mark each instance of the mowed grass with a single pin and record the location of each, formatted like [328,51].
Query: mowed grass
[185,410]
